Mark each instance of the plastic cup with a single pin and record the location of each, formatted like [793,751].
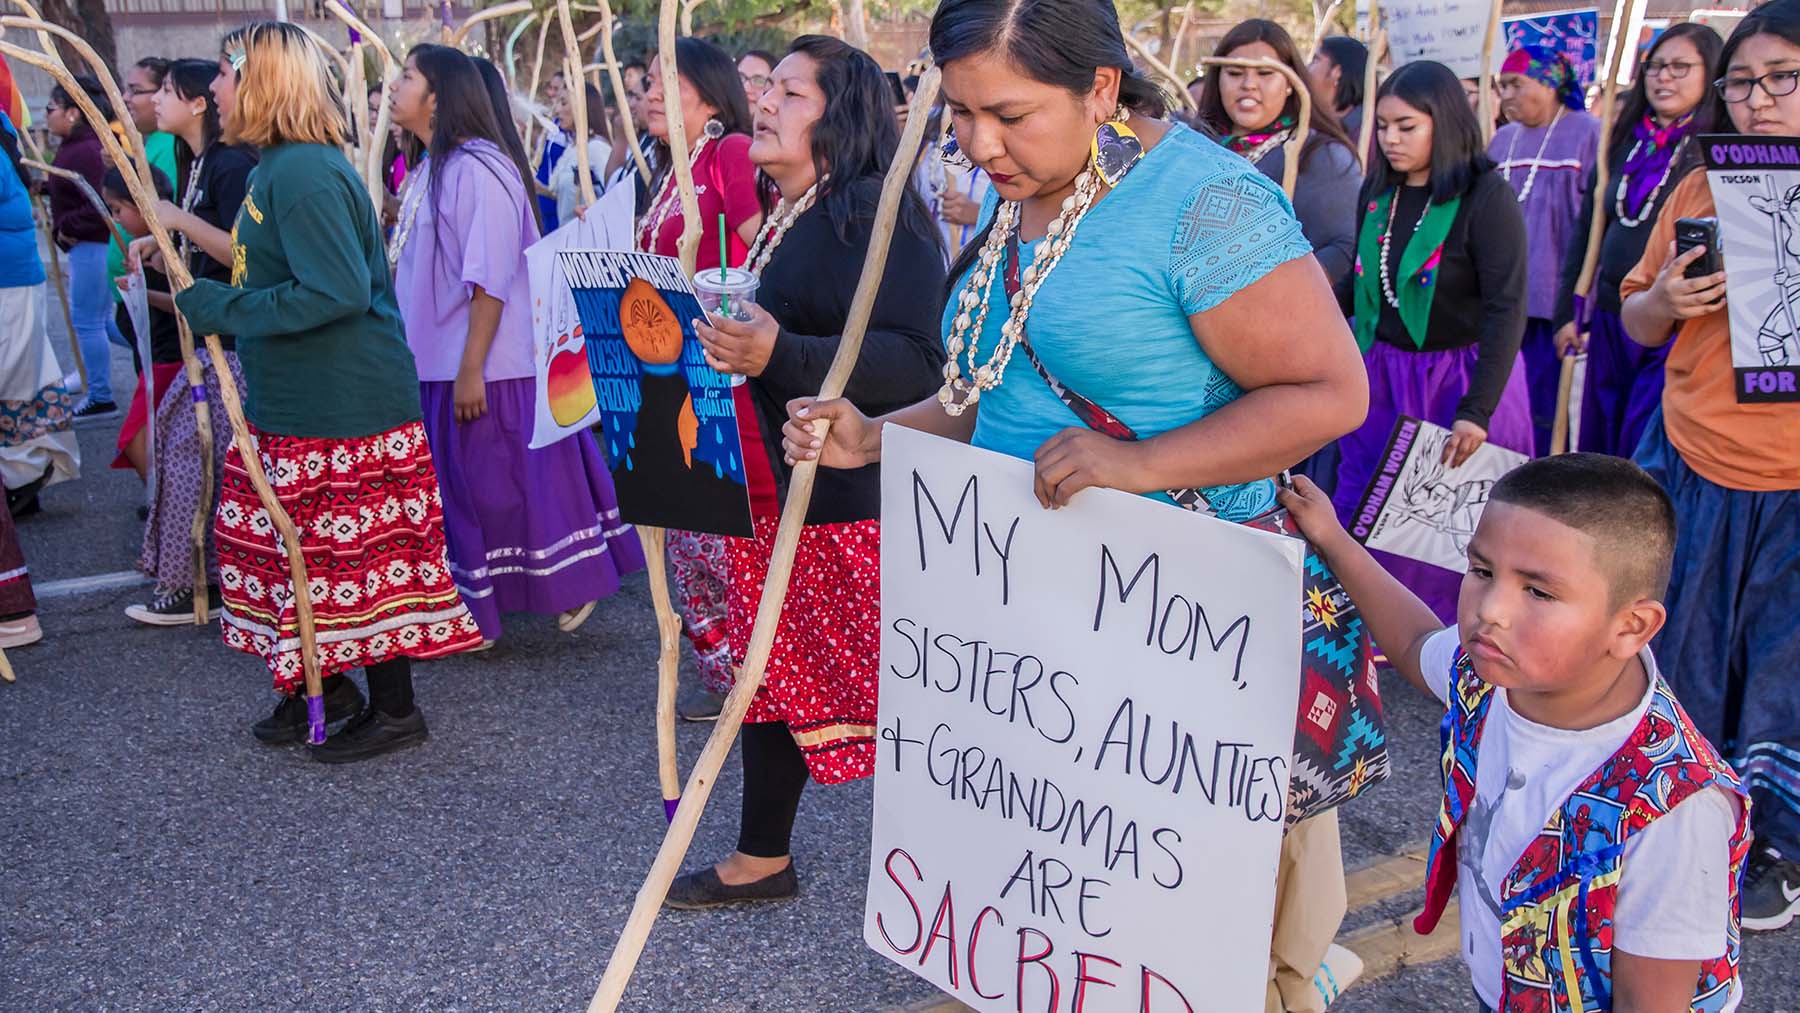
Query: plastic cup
[714,286]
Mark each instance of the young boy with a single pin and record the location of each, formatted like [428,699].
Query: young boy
[1594,837]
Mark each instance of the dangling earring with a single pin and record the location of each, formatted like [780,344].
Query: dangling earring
[713,129]
[1115,148]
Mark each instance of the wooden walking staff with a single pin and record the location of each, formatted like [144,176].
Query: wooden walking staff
[781,565]
[144,194]
[135,170]
[1484,99]
[617,77]
[1590,262]
[668,624]
[1290,163]
[1175,83]
[505,10]
[1366,131]
[40,212]
[390,72]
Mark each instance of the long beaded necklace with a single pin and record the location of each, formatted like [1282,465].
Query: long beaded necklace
[1387,239]
[780,222]
[1649,202]
[667,200]
[412,197]
[188,199]
[1531,177]
[973,302]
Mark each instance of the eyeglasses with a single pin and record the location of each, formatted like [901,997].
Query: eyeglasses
[1775,84]
[758,81]
[1675,69]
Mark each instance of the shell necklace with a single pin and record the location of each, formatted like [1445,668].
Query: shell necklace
[1387,239]
[412,197]
[959,393]
[1649,204]
[668,200]
[779,223]
[1531,177]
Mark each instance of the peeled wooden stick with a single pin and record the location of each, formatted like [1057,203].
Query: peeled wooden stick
[143,189]
[1484,99]
[87,190]
[577,99]
[488,14]
[1590,261]
[1365,132]
[179,278]
[510,57]
[679,154]
[40,212]
[1320,24]
[390,72]
[1290,163]
[1175,83]
[781,565]
[6,672]
[618,88]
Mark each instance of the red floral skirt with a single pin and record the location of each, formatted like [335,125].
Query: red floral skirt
[825,665]
[372,533]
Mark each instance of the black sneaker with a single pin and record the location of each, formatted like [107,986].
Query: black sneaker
[698,891]
[1771,895]
[699,705]
[371,734]
[23,501]
[287,725]
[96,410]
[174,608]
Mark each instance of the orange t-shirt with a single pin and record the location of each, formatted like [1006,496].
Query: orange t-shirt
[1740,446]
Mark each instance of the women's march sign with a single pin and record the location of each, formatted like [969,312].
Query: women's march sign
[1417,506]
[565,402]
[1755,184]
[667,420]
[1085,734]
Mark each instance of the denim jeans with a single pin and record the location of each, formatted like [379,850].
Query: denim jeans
[91,307]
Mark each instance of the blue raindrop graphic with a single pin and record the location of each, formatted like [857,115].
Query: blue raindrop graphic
[628,465]
[631,440]
[718,472]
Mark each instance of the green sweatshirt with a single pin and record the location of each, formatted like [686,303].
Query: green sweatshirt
[311,301]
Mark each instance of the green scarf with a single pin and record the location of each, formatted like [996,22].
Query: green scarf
[1417,283]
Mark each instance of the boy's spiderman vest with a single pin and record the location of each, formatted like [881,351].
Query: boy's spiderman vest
[1556,932]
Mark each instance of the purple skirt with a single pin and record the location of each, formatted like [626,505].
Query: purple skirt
[1624,387]
[1424,385]
[1543,374]
[527,530]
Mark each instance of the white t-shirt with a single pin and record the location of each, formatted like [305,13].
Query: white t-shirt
[565,176]
[1523,772]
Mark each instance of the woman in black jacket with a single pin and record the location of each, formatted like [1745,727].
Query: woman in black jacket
[825,133]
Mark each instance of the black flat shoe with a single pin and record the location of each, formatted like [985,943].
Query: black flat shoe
[371,734]
[287,724]
[698,891]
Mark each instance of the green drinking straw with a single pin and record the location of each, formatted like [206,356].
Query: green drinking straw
[724,296]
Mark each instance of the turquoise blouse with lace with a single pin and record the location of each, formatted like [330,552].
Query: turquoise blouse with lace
[1189,226]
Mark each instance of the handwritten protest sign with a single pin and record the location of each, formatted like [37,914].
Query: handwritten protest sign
[1086,722]
[1448,31]
[1421,508]
[667,419]
[1574,33]
[565,389]
[1755,184]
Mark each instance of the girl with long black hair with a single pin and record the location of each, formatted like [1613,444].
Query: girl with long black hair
[1438,295]
[211,179]
[825,135]
[528,530]
[1668,107]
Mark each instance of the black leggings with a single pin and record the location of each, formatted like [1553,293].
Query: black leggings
[774,776]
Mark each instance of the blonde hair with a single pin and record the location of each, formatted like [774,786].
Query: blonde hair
[286,92]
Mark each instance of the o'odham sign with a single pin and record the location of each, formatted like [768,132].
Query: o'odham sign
[1086,724]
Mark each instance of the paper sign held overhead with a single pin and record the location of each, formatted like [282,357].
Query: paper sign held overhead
[1083,749]
[1755,184]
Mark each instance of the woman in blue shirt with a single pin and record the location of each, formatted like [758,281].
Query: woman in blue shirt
[1189,307]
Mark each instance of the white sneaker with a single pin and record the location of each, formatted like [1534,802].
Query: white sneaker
[19,632]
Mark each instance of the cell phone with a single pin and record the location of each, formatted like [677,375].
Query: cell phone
[1692,232]
[898,86]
